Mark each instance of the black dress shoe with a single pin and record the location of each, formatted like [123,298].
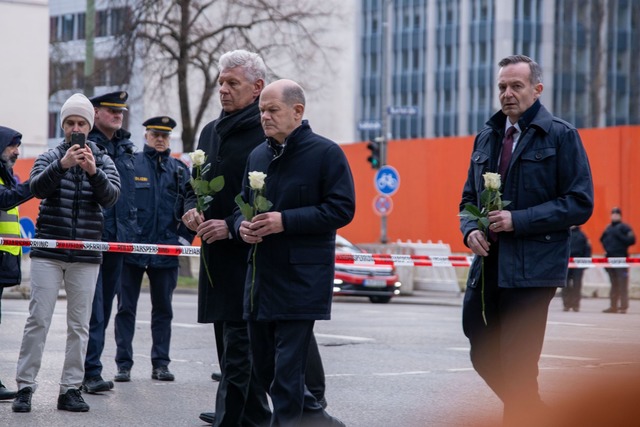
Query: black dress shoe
[322,402]
[216,376]
[162,374]
[208,417]
[22,402]
[72,401]
[123,375]
[6,394]
[610,310]
[96,385]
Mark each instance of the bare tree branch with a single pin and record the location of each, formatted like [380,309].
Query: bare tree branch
[183,40]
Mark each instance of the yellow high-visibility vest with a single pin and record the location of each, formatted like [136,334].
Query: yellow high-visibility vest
[10,227]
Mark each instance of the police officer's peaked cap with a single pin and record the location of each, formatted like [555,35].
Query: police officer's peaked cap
[114,100]
[160,124]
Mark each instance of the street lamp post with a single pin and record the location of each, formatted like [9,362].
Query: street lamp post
[387,35]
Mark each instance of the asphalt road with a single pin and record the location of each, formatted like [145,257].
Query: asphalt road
[399,364]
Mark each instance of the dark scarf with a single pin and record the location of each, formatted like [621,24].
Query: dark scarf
[246,118]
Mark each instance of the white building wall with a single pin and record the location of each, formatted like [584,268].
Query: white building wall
[331,103]
[24,74]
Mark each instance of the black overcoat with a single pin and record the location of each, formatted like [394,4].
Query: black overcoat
[227,141]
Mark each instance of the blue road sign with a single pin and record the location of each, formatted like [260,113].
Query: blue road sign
[370,125]
[382,205]
[387,180]
[27,231]
[403,110]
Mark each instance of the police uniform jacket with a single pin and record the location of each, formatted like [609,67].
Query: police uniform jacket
[617,238]
[159,199]
[120,219]
[580,246]
[11,195]
[72,202]
[227,141]
[311,185]
[550,188]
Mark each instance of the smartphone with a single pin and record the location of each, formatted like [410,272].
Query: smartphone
[78,138]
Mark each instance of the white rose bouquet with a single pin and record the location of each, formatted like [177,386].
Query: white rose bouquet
[249,210]
[205,190]
[491,200]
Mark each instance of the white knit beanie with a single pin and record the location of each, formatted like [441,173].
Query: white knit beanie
[77,105]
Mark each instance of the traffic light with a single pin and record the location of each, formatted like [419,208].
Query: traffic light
[374,157]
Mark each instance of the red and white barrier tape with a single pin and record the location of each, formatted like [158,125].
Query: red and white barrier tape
[132,248]
[465,261]
[342,258]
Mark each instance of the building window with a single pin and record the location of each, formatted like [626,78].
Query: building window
[53,29]
[67,28]
[102,30]
[119,21]
[55,131]
[81,19]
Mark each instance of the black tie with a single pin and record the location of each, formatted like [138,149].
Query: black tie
[507,150]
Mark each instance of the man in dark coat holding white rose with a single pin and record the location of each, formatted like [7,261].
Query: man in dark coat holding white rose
[524,258]
[289,284]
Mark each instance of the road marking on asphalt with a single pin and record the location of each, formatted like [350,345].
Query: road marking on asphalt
[555,356]
[177,324]
[548,356]
[582,325]
[397,374]
[345,337]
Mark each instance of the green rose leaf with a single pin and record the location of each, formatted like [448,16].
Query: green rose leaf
[245,208]
[262,204]
[471,210]
[216,184]
[483,223]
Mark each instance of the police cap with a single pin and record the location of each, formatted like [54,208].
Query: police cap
[114,100]
[162,124]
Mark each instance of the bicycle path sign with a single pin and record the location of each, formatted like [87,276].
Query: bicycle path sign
[387,180]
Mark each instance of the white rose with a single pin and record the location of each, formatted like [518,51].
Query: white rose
[198,157]
[492,181]
[256,180]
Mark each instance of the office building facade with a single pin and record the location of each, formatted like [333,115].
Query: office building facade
[438,66]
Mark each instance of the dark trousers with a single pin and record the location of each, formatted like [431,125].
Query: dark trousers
[572,292]
[162,283]
[505,352]
[240,399]
[107,288]
[314,377]
[619,294]
[230,397]
[280,351]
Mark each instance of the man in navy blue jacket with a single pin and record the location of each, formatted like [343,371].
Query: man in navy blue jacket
[290,279]
[548,181]
[119,226]
[161,182]
[616,240]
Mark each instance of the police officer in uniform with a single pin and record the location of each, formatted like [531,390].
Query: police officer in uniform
[119,226]
[160,188]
